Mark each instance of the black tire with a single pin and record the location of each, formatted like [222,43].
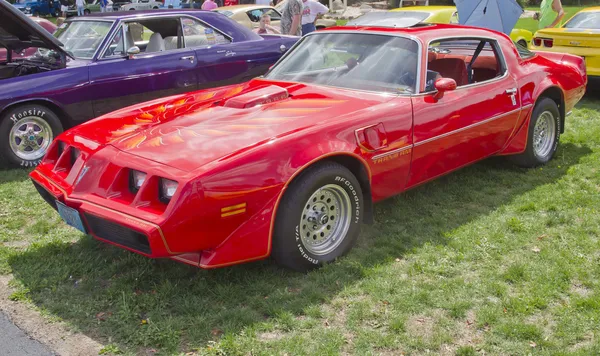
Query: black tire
[530,158]
[56,13]
[155,8]
[35,113]
[289,249]
[131,9]
[86,12]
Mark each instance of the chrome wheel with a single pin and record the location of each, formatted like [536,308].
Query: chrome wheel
[544,134]
[30,138]
[325,219]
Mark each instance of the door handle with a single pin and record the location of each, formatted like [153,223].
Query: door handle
[188,58]
[511,91]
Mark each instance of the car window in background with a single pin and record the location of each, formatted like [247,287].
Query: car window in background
[585,20]
[225,12]
[275,16]
[195,34]
[254,15]
[355,61]
[82,38]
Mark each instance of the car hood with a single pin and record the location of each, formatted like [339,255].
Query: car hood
[17,31]
[190,131]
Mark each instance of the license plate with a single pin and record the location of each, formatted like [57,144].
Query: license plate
[70,216]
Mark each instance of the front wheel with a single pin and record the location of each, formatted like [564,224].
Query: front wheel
[543,136]
[26,133]
[319,217]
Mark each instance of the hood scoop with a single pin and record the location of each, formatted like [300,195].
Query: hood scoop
[265,95]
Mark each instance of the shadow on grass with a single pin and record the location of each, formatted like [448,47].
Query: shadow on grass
[13,175]
[107,292]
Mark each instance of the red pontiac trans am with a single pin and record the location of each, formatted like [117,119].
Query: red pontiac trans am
[290,164]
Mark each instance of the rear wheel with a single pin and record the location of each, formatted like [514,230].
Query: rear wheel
[86,12]
[155,8]
[56,13]
[26,133]
[319,217]
[543,136]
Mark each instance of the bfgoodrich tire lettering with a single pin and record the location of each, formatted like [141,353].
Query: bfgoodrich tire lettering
[319,217]
[25,133]
[543,135]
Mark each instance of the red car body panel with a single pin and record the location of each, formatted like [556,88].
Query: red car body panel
[234,150]
[47,25]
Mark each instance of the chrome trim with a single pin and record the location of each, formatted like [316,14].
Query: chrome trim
[470,126]
[378,33]
[569,114]
[501,58]
[389,153]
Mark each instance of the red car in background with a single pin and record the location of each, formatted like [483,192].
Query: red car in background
[289,165]
[45,24]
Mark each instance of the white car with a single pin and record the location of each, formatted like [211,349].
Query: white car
[141,5]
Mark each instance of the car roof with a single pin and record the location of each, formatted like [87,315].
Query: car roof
[590,9]
[127,15]
[425,32]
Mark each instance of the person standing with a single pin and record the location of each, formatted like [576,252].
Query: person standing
[79,4]
[209,5]
[103,4]
[64,7]
[311,11]
[291,18]
[551,13]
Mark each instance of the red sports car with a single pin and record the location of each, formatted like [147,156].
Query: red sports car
[290,164]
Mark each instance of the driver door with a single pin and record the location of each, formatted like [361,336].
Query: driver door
[469,123]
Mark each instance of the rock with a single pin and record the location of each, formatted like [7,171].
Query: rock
[365,8]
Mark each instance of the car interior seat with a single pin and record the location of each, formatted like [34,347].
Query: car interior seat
[156,43]
[454,68]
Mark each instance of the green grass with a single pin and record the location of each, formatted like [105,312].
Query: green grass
[490,258]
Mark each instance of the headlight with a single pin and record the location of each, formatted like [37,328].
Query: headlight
[136,179]
[167,190]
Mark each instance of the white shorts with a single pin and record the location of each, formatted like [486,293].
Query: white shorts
[64,8]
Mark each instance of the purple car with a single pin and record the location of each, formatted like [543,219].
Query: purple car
[97,64]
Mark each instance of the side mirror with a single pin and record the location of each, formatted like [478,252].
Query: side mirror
[443,85]
[132,52]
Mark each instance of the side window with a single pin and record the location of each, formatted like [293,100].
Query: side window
[196,34]
[254,15]
[275,16]
[116,48]
[467,61]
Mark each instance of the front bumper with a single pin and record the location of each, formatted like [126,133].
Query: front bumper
[106,224]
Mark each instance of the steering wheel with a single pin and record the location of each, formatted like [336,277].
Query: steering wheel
[408,79]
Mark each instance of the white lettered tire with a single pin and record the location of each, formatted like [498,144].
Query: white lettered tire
[26,133]
[319,217]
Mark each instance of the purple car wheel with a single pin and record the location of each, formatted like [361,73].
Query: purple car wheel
[29,130]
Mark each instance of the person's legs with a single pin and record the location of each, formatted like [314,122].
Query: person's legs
[79,10]
[308,28]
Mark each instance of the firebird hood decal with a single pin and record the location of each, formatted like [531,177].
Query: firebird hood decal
[189,131]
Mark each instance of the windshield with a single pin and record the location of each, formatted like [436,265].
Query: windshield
[390,19]
[355,61]
[585,20]
[82,38]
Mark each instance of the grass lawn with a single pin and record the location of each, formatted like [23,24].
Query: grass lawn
[491,258]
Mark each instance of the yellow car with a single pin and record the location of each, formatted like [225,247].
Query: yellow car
[249,15]
[448,14]
[580,35]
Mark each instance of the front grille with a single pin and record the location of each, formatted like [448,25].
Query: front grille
[49,198]
[117,233]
